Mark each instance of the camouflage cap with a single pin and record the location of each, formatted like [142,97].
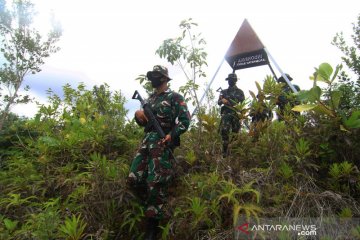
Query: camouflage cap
[161,69]
[231,76]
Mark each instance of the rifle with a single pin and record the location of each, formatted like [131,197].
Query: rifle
[153,122]
[237,111]
[230,100]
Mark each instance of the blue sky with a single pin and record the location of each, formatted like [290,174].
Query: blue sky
[114,41]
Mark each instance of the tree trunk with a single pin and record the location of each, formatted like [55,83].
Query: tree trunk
[6,110]
[4,115]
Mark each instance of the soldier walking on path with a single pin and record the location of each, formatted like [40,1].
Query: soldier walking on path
[230,121]
[151,170]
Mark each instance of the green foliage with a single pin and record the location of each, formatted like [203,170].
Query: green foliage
[353,121]
[70,162]
[10,225]
[232,193]
[15,200]
[198,211]
[351,55]
[335,171]
[286,170]
[345,213]
[165,231]
[62,173]
[73,228]
[132,217]
[356,232]
[350,89]
[24,51]
[302,149]
[73,156]
[344,169]
[187,51]
[146,84]
[190,157]
[313,99]
[249,209]
[45,224]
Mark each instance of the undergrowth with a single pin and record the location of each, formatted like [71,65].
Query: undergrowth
[62,173]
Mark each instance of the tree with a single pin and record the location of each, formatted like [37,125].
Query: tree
[23,51]
[188,52]
[351,55]
[351,89]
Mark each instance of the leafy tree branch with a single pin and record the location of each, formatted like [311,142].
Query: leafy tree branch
[23,50]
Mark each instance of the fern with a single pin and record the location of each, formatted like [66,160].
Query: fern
[302,149]
[286,170]
[199,210]
[346,168]
[249,209]
[73,228]
[132,217]
[335,171]
[345,213]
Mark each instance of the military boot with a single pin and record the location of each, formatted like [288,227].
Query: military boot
[152,229]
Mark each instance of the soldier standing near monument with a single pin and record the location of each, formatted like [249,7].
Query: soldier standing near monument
[230,122]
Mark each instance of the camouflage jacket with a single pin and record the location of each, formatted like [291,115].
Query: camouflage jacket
[171,112]
[234,95]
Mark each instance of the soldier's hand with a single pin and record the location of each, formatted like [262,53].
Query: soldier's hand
[224,101]
[166,140]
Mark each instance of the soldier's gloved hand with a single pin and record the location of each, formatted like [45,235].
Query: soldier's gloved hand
[166,140]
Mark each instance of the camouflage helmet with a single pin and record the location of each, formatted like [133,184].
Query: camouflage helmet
[281,79]
[231,76]
[158,69]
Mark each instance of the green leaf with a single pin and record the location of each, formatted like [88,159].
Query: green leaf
[325,70]
[353,121]
[335,98]
[49,141]
[337,69]
[324,110]
[304,107]
[10,225]
[252,94]
[258,86]
[303,96]
[314,94]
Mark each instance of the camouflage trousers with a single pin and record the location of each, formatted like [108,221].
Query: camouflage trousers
[229,123]
[150,175]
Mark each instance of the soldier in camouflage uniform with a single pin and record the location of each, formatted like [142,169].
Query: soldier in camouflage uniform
[286,98]
[230,121]
[152,168]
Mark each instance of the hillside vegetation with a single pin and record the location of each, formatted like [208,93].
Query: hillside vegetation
[63,172]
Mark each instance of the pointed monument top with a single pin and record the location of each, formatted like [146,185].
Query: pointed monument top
[245,41]
[246,50]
